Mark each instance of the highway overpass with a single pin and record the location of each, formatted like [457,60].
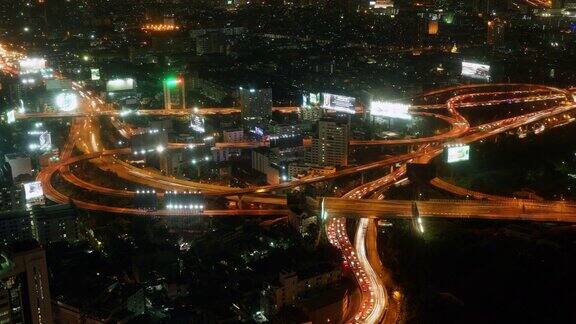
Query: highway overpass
[557,211]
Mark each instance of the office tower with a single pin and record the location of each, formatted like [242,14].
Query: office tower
[256,104]
[174,93]
[24,289]
[330,146]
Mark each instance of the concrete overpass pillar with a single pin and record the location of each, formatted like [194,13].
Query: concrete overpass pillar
[417,224]
[240,203]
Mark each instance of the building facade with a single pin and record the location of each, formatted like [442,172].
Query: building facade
[330,146]
[24,289]
[256,104]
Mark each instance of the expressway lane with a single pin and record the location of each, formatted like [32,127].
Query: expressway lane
[148,112]
[458,209]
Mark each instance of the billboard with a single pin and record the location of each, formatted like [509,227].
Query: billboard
[120,84]
[95,74]
[312,99]
[458,153]
[31,65]
[475,70]
[11,116]
[66,101]
[389,109]
[339,103]
[197,124]
[45,140]
[381,4]
[33,190]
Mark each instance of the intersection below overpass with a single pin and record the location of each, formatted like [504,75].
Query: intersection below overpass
[520,210]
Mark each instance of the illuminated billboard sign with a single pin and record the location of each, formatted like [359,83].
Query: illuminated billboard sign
[11,116]
[197,124]
[339,103]
[389,109]
[313,99]
[66,101]
[475,70]
[95,74]
[31,65]
[458,153]
[120,84]
[381,4]
[45,140]
[33,190]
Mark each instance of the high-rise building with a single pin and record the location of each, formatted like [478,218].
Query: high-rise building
[45,224]
[15,226]
[174,93]
[55,223]
[211,43]
[24,289]
[330,146]
[11,197]
[310,114]
[256,104]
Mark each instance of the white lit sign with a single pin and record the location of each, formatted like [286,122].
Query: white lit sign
[381,4]
[32,65]
[197,124]
[33,190]
[475,70]
[66,101]
[95,74]
[339,103]
[314,98]
[45,140]
[11,116]
[120,84]
[389,109]
[458,153]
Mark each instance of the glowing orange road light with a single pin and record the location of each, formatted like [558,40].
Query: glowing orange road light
[160,27]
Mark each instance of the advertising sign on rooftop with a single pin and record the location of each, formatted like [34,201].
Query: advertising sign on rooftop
[389,109]
[458,153]
[120,85]
[33,190]
[339,103]
[475,70]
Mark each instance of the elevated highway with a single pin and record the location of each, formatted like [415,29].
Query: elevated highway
[559,211]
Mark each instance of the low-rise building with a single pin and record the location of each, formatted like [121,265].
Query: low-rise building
[292,284]
[20,164]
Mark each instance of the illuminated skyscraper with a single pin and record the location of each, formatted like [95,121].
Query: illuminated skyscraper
[24,290]
[174,93]
[256,104]
[330,146]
